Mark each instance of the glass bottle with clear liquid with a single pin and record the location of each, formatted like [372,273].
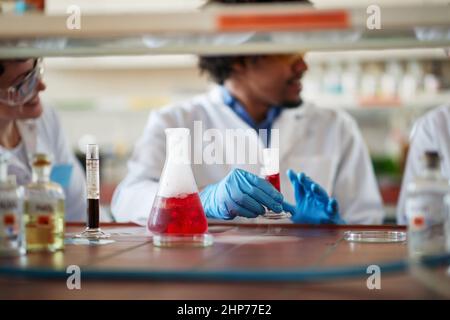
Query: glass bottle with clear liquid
[43,209]
[425,209]
[177,217]
[11,231]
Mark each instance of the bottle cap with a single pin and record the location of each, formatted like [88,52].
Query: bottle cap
[431,159]
[4,157]
[92,152]
[41,159]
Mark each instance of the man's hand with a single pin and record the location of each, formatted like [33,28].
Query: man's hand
[240,193]
[313,206]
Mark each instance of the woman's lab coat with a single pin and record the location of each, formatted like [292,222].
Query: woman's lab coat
[45,135]
[430,133]
[325,144]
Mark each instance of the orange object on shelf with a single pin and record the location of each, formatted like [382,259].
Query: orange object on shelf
[38,5]
[368,102]
[336,19]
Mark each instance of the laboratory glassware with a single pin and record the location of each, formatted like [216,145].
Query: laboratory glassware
[43,208]
[177,217]
[11,230]
[271,172]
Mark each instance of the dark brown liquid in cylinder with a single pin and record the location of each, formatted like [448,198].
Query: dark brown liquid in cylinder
[93,213]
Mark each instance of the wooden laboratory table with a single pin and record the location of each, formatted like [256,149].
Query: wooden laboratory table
[236,247]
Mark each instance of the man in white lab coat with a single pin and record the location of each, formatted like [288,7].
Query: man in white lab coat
[431,132]
[26,127]
[257,92]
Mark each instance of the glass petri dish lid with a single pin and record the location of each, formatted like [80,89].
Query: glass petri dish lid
[378,236]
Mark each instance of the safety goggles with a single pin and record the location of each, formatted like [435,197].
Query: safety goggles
[26,89]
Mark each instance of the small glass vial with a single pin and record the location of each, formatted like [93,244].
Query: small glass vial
[93,231]
[425,209]
[43,209]
[11,231]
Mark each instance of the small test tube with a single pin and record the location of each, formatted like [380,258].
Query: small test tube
[271,168]
[271,172]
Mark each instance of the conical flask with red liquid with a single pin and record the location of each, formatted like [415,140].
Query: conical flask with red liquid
[177,217]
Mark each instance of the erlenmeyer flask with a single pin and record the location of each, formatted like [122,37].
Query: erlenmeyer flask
[177,217]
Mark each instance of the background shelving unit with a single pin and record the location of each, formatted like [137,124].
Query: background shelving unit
[225,30]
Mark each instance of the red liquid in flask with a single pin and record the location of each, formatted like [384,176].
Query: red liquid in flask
[178,215]
[274,179]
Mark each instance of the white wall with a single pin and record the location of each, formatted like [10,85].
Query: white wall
[113,103]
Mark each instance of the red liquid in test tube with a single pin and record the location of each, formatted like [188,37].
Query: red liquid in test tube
[274,179]
[271,173]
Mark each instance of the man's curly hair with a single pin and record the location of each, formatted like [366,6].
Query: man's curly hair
[219,68]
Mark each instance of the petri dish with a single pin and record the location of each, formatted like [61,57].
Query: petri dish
[375,236]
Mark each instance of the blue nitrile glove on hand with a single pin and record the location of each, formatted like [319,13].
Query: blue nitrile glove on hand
[240,193]
[313,206]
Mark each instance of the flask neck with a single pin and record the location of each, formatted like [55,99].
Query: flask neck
[178,148]
[41,174]
[178,158]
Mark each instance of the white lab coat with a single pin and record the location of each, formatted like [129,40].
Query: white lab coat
[325,144]
[45,135]
[430,132]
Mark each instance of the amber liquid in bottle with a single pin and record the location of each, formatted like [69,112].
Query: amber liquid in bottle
[43,209]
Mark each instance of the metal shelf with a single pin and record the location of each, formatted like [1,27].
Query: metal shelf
[225,30]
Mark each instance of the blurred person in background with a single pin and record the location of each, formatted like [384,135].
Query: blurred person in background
[431,132]
[27,127]
[261,92]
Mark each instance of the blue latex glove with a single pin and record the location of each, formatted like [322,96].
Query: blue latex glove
[313,206]
[240,193]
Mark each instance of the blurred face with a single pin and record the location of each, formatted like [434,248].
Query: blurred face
[20,84]
[275,79]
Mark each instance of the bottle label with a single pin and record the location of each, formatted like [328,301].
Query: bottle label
[9,222]
[8,205]
[93,179]
[426,224]
[40,207]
